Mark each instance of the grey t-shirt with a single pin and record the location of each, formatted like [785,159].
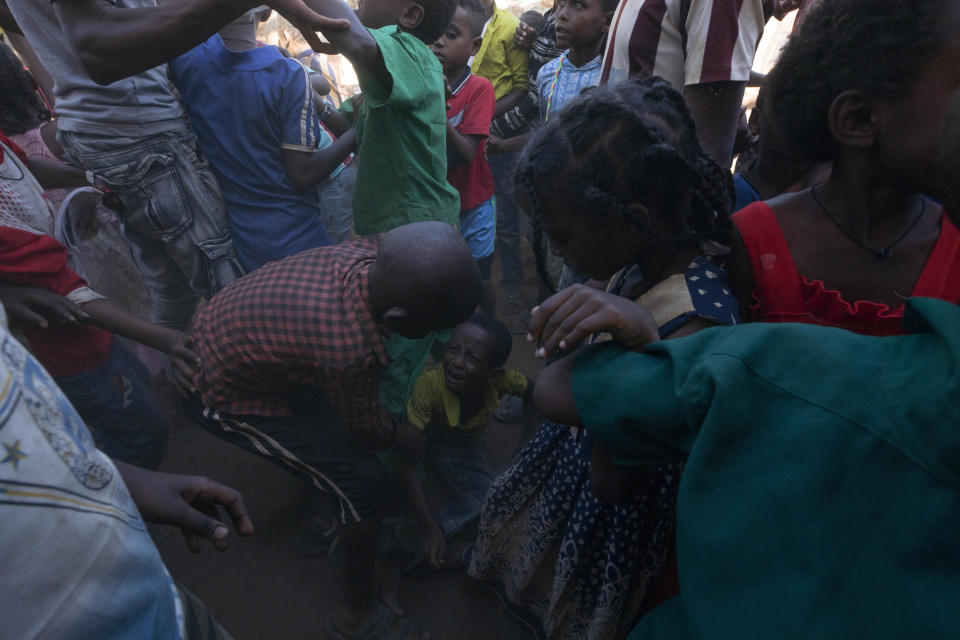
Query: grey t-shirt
[140,105]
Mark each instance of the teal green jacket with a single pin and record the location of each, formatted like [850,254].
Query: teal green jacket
[821,495]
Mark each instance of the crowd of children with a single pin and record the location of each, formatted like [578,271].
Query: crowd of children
[678,476]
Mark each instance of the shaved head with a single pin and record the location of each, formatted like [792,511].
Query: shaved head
[427,270]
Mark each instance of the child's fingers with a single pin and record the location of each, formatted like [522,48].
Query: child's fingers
[26,314]
[564,335]
[213,492]
[570,307]
[542,313]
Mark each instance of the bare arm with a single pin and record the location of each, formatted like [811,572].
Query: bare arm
[509,101]
[355,43]
[307,170]
[715,108]
[112,43]
[53,174]
[497,145]
[464,148]
[337,122]
[108,315]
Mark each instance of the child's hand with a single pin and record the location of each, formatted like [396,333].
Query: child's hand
[188,502]
[567,318]
[39,307]
[495,146]
[186,364]
[435,546]
[524,36]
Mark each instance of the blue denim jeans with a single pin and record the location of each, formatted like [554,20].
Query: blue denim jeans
[116,402]
[461,462]
[173,215]
[336,203]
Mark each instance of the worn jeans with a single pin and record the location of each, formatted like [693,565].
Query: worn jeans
[173,215]
[117,403]
[460,460]
[336,203]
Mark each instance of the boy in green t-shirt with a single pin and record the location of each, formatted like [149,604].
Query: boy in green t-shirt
[452,402]
[401,122]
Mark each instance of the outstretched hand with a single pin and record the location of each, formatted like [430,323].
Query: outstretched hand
[188,502]
[564,320]
[308,22]
[434,547]
[40,307]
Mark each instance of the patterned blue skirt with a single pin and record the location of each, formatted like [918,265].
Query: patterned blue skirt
[566,563]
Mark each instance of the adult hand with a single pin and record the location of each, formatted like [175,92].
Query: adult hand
[184,361]
[308,22]
[524,36]
[39,307]
[188,502]
[567,318]
[410,442]
[434,546]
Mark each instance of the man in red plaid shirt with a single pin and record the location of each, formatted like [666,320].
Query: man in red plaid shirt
[290,363]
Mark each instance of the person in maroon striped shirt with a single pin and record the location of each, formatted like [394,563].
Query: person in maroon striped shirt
[703,48]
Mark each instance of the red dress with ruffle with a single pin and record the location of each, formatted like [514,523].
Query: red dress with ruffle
[782,295]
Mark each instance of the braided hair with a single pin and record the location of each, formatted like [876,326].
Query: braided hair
[20,107]
[875,46]
[631,143]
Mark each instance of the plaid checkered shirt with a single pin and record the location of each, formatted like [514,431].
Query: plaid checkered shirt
[303,322]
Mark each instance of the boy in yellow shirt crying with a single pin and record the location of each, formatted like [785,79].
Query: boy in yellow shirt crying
[452,402]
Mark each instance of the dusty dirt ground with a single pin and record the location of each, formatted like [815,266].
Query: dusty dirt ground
[264,588]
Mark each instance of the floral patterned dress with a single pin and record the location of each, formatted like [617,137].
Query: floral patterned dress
[568,565]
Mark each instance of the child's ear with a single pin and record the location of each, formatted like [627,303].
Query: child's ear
[852,118]
[637,218]
[411,17]
[475,46]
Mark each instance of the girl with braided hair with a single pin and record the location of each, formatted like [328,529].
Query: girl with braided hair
[619,184]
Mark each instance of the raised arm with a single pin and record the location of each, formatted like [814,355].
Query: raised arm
[354,42]
[305,169]
[112,43]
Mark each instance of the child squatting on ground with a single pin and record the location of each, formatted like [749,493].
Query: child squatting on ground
[451,403]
